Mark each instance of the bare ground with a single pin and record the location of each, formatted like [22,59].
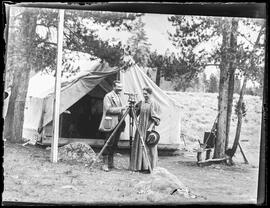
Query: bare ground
[29,176]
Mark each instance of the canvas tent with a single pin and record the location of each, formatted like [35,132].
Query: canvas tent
[88,88]
[134,80]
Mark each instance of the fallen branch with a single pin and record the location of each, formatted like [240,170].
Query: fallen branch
[245,159]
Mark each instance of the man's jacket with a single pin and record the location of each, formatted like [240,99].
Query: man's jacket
[111,112]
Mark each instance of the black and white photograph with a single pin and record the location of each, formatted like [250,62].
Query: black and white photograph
[127,107]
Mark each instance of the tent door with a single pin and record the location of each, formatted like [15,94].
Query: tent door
[82,119]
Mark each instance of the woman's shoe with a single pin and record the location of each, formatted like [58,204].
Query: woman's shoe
[105,168]
[145,171]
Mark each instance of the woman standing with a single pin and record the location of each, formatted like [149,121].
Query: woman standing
[149,117]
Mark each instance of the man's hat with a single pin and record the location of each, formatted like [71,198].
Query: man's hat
[118,85]
[152,138]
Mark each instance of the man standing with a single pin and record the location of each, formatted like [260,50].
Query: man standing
[112,112]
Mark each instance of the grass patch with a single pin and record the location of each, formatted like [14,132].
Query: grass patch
[199,111]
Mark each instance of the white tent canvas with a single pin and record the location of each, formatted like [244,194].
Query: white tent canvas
[39,109]
[134,80]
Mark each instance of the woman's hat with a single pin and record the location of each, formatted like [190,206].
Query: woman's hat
[152,138]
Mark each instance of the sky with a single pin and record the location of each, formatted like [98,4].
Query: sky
[156,28]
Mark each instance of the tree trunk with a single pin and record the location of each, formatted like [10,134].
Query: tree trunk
[240,101]
[240,116]
[219,151]
[230,104]
[9,62]
[15,115]
[7,75]
[222,118]
[233,45]
[158,77]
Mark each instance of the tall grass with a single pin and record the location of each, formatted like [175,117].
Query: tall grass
[199,111]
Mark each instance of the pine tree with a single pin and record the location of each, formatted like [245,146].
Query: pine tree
[230,54]
[138,45]
[28,50]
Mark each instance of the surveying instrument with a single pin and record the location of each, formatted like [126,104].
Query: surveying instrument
[132,119]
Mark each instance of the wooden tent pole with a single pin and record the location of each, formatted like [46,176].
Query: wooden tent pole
[57,88]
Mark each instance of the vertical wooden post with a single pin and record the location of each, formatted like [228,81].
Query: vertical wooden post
[56,112]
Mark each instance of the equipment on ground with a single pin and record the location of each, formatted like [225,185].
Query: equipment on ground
[208,144]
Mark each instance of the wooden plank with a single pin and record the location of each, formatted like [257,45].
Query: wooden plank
[56,111]
[212,160]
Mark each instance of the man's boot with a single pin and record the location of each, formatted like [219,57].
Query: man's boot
[105,165]
[110,161]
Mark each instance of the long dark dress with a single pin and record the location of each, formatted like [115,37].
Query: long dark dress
[148,112]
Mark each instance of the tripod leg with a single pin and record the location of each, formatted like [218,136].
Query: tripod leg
[143,144]
[107,142]
[130,137]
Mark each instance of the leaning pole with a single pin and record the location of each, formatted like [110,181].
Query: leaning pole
[57,88]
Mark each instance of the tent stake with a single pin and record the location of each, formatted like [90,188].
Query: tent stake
[56,109]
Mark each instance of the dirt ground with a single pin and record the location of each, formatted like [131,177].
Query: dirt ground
[29,176]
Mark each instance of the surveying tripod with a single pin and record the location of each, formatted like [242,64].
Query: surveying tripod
[132,118]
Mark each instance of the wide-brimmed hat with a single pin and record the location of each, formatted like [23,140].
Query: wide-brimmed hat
[152,138]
